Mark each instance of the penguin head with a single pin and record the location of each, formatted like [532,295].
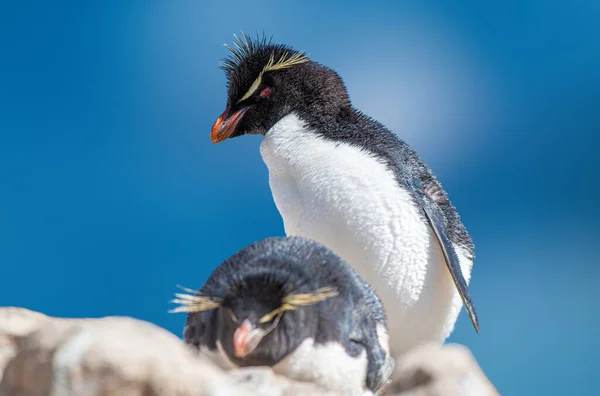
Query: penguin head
[261,321]
[267,81]
[264,308]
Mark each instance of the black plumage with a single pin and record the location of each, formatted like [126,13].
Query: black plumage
[256,280]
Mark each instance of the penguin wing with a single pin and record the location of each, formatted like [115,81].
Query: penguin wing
[435,218]
[380,364]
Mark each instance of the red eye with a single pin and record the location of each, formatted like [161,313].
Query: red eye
[265,93]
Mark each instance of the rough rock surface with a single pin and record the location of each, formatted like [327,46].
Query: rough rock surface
[433,370]
[41,355]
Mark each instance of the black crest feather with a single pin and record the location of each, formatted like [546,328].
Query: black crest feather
[261,53]
[243,47]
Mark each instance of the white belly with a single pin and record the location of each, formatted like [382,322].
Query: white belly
[344,198]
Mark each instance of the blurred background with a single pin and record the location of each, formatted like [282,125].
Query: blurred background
[111,192]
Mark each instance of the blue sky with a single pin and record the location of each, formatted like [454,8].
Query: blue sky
[111,192]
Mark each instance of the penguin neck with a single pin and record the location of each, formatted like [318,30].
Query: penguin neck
[347,126]
[287,140]
[289,130]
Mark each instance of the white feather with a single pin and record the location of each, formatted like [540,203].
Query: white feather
[348,200]
[325,364]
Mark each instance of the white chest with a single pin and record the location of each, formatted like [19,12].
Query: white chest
[345,198]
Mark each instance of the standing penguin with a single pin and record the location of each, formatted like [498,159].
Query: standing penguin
[292,304]
[346,181]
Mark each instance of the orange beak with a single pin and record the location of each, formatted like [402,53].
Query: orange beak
[225,125]
[246,338]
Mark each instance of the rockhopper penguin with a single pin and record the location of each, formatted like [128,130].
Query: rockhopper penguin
[292,304]
[346,181]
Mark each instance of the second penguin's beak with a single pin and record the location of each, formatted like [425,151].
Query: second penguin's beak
[225,124]
[246,338]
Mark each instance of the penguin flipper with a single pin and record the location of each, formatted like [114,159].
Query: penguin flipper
[380,365]
[435,219]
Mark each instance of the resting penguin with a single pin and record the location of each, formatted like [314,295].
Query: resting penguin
[292,304]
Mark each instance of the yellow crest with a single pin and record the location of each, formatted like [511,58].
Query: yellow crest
[283,63]
[294,301]
[192,303]
[244,47]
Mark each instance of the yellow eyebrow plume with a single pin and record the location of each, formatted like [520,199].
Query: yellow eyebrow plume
[283,63]
[294,301]
[313,297]
[192,303]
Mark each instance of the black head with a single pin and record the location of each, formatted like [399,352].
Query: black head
[262,313]
[261,322]
[266,81]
